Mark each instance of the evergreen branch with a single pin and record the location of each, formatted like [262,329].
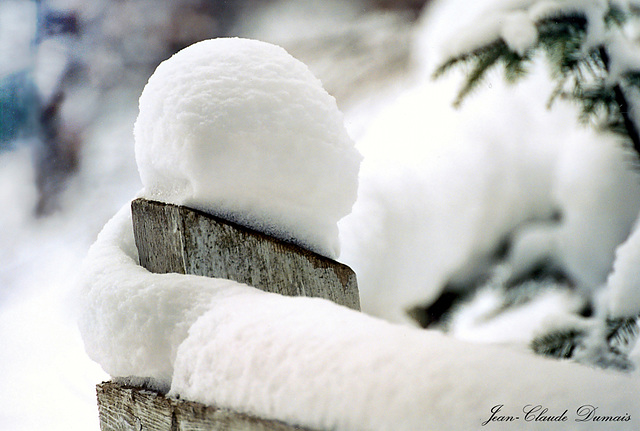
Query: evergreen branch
[481,60]
[632,79]
[561,37]
[464,58]
[622,332]
[597,99]
[559,344]
[484,59]
[451,63]
[562,344]
[515,66]
[582,77]
[615,16]
[623,105]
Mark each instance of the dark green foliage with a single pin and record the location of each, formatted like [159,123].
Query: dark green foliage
[559,344]
[632,79]
[515,66]
[479,62]
[620,335]
[622,332]
[599,102]
[616,16]
[581,73]
[438,312]
[561,39]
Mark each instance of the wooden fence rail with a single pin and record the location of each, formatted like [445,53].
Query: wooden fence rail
[173,238]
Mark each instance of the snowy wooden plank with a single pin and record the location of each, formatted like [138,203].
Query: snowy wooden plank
[125,408]
[173,238]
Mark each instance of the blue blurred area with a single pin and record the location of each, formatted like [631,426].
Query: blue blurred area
[69,85]
[20,101]
[58,67]
[19,108]
[29,104]
[61,60]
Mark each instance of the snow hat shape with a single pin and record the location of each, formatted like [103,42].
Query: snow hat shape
[241,129]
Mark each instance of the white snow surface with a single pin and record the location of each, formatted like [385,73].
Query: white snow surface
[590,188]
[43,359]
[519,32]
[312,362]
[437,204]
[241,129]
[456,182]
[623,286]
[125,305]
[439,189]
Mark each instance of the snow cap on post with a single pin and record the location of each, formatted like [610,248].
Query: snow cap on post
[241,129]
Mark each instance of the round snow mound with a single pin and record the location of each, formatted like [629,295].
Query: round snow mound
[241,129]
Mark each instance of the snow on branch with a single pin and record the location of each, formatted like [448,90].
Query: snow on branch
[583,42]
[596,66]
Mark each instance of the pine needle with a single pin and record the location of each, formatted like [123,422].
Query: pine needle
[599,103]
[615,17]
[622,332]
[515,66]
[561,38]
[558,92]
[451,63]
[559,344]
[484,59]
[581,76]
[632,79]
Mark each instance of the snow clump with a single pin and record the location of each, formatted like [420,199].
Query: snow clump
[623,287]
[308,361]
[241,129]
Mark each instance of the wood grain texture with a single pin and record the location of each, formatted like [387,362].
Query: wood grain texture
[125,408]
[173,238]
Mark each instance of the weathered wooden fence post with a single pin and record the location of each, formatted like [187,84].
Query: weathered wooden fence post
[173,238]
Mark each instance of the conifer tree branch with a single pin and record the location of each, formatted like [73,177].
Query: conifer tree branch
[583,76]
[559,344]
[562,37]
[622,331]
[623,105]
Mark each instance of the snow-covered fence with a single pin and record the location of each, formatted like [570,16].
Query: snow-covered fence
[239,161]
[125,408]
[172,238]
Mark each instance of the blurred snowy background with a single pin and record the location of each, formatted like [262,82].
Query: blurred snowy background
[442,190]
[71,72]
